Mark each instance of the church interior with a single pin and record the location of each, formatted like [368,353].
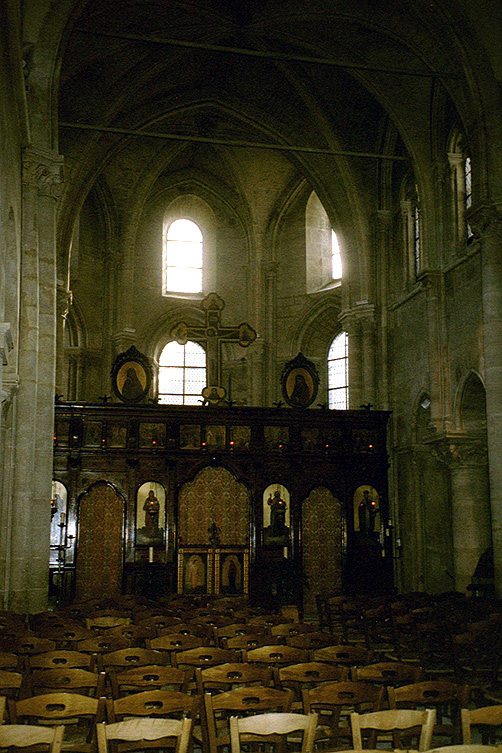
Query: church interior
[250,299]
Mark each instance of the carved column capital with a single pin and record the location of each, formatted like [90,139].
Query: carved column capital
[430,280]
[43,171]
[6,344]
[485,220]
[64,300]
[457,452]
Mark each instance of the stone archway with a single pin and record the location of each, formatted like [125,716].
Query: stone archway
[100,543]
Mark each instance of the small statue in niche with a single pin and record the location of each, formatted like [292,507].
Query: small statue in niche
[368,511]
[277,532]
[151,508]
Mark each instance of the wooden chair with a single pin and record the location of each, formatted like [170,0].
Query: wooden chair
[102,644]
[68,680]
[100,624]
[66,636]
[351,656]
[267,620]
[307,675]
[246,642]
[488,717]
[186,628]
[204,656]
[467,749]
[276,655]
[151,677]
[10,662]
[138,734]
[395,721]
[174,642]
[10,684]
[389,673]
[310,641]
[446,697]
[81,711]
[233,629]
[124,658]
[334,701]
[26,736]
[224,677]
[136,634]
[160,622]
[271,727]
[154,703]
[60,660]
[238,702]
[29,645]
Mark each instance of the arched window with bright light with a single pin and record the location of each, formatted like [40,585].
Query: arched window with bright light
[336,258]
[183,257]
[182,373]
[338,373]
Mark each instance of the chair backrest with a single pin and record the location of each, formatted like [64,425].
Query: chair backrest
[308,675]
[246,642]
[310,641]
[25,735]
[171,642]
[225,676]
[155,731]
[155,703]
[131,657]
[67,680]
[490,716]
[431,692]
[343,654]
[276,654]
[466,749]
[105,622]
[56,706]
[394,720]
[204,656]
[239,702]
[102,644]
[268,727]
[61,659]
[388,673]
[151,677]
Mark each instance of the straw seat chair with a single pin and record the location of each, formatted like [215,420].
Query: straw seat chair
[395,721]
[138,734]
[272,727]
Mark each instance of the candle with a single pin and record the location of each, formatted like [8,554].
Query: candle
[150,554]
[62,518]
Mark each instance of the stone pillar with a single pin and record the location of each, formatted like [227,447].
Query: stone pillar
[382,229]
[32,472]
[270,272]
[367,318]
[352,327]
[486,224]
[470,495]
[431,282]
[6,345]
[63,303]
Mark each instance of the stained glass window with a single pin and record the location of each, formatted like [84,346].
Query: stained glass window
[338,377]
[182,374]
[183,258]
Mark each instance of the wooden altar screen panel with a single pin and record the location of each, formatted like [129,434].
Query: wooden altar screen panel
[322,545]
[100,543]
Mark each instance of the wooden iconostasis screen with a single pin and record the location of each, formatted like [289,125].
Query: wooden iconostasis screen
[214,496]
[100,543]
[322,545]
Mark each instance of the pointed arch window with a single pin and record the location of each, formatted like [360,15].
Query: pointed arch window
[183,257]
[338,373]
[182,373]
[336,258]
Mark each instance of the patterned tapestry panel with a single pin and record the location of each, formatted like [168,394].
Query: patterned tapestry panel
[322,545]
[99,561]
[214,496]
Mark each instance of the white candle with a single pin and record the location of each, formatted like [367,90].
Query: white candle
[150,554]
[62,518]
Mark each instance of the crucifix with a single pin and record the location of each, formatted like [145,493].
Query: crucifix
[213,334]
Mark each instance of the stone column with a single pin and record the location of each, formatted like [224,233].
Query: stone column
[270,272]
[367,318]
[352,327]
[32,472]
[382,227]
[470,495]
[63,303]
[486,224]
[431,282]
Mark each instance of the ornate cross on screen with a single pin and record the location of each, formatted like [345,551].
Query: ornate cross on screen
[213,334]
